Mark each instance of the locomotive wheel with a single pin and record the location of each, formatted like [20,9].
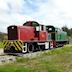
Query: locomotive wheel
[30,47]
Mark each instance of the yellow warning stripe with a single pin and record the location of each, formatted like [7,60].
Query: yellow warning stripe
[5,43]
[17,45]
[8,43]
[21,42]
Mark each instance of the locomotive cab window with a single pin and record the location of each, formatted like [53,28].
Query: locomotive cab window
[50,28]
[37,28]
[42,28]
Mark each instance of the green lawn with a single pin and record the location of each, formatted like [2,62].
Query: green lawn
[56,60]
[1,45]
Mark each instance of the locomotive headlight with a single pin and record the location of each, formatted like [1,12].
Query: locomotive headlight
[11,42]
[12,27]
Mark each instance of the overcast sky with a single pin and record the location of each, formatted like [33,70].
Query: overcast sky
[47,12]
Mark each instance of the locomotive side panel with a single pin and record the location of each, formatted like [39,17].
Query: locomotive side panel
[25,33]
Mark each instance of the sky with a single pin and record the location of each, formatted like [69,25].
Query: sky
[47,12]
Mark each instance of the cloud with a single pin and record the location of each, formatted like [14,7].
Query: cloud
[48,12]
[56,12]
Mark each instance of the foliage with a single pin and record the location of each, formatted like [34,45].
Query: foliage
[13,68]
[3,36]
[66,48]
[69,31]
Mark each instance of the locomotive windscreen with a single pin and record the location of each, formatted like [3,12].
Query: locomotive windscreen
[50,28]
[12,33]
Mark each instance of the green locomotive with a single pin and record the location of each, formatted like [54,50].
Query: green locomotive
[58,36]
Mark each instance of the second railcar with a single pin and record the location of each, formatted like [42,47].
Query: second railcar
[58,36]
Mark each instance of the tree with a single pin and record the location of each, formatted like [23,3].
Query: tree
[69,31]
[65,28]
[3,36]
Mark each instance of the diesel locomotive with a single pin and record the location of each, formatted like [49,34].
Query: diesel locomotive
[33,36]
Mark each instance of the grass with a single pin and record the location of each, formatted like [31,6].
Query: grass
[66,48]
[56,60]
[1,45]
[13,68]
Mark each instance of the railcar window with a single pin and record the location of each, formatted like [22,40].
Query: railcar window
[50,29]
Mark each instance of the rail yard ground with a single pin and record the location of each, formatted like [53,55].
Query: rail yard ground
[55,60]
